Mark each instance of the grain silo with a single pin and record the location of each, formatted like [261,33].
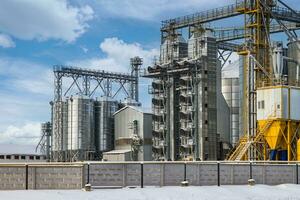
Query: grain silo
[60,131]
[80,139]
[104,125]
[293,67]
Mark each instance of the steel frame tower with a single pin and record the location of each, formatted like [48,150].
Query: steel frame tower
[136,64]
[258,74]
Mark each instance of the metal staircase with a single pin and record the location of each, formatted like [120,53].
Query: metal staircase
[244,144]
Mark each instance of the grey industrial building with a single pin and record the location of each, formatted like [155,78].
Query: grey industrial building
[133,135]
[186,95]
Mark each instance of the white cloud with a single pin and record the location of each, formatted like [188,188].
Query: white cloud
[26,76]
[155,9]
[6,41]
[25,90]
[43,20]
[117,56]
[28,133]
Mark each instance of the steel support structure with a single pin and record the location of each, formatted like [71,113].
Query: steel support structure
[88,83]
[258,15]
[136,64]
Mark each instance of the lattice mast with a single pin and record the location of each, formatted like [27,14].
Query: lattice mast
[257,66]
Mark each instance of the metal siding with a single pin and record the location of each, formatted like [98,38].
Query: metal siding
[295,104]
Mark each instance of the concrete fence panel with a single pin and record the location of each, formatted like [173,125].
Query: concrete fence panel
[12,178]
[107,174]
[52,177]
[192,173]
[208,174]
[278,174]
[133,174]
[173,174]
[241,174]
[154,174]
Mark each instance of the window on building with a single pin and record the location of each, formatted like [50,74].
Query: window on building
[31,157]
[17,157]
[8,157]
[1,156]
[23,157]
[263,104]
[37,157]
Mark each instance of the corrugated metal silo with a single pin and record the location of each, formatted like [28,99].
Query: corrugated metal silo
[60,130]
[80,128]
[104,124]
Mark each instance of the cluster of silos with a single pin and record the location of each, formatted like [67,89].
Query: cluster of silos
[85,128]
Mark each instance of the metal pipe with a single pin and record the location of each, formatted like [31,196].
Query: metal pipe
[297,74]
[196,133]
[168,121]
[50,139]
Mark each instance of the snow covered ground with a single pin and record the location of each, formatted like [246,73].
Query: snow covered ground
[258,192]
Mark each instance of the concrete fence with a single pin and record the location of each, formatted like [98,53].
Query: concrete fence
[26,176]
[137,174]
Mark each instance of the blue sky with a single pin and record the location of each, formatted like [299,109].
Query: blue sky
[100,34]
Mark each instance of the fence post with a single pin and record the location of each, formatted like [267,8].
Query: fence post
[26,176]
[251,176]
[142,175]
[184,175]
[88,174]
[297,174]
[218,166]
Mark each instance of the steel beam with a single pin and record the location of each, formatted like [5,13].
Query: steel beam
[222,13]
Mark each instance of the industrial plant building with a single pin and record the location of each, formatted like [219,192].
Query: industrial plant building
[187,99]
[198,114]
[133,135]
